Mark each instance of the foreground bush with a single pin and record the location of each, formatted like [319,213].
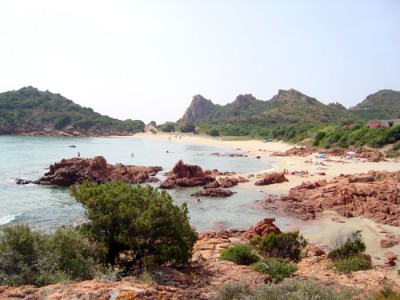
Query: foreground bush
[139,219]
[239,254]
[276,268]
[352,264]
[346,253]
[347,245]
[293,289]
[283,245]
[30,257]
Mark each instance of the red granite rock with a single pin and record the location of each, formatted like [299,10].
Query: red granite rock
[76,170]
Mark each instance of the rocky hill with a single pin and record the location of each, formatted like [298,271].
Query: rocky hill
[33,112]
[384,104]
[198,109]
[290,107]
[287,107]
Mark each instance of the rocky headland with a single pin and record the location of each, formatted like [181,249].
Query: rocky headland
[374,195]
[76,170]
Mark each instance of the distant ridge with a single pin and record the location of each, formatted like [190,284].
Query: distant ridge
[287,107]
[384,104]
[29,111]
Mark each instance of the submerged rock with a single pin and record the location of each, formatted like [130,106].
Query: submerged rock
[213,192]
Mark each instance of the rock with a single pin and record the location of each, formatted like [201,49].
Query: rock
[373,195]
[213,192]
[227,182]
[76,170]
[23,181]
[271,178]
[198,109]
[185,175]
[262,228]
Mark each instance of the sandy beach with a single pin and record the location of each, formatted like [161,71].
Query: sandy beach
[320,231]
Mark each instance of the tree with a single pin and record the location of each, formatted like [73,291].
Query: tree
[137,218]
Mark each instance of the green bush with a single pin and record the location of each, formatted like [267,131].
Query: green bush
[239,254]
[188,127]
[213,132]
[347,245]
[352,264]
[283,245]
[30,257]
[168,127]
[276,268]
[136,218]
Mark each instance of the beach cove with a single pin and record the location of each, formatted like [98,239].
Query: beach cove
[320,231]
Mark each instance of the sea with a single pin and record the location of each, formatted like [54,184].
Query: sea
[46,208]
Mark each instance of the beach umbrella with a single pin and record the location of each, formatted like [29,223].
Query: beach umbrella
[321,155]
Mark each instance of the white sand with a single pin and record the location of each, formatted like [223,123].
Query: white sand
[317,231]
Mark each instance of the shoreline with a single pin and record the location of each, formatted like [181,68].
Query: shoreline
[322,230]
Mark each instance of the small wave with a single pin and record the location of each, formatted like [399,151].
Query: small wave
[7,219]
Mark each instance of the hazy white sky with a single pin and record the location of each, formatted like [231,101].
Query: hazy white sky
[146,59]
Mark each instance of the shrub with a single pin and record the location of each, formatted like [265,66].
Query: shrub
[230,291]
[347,245]
[290,288]
[352,264]
[213,132]
[387,293]
[283,245]
[300,289]
[30,257]
[239,254]
[276,268]
[136,218]
[168,127]
[188,127]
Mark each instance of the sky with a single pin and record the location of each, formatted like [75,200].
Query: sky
[146,59]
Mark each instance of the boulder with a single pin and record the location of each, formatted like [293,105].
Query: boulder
[262,228]
[185,175]
[272,178]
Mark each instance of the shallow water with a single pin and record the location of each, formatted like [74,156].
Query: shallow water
[47,207]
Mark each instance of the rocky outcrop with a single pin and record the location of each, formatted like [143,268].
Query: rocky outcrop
[370,155]
[76,170]
[185,175]
[374,195]
[198,109]
[292,96]
[262,228]
[213,192]
[271,178]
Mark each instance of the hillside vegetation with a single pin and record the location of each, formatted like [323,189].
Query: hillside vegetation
[30,111]
[294,117]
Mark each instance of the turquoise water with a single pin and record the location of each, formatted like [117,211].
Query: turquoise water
[47,207]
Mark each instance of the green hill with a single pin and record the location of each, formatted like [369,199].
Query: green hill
[287,107]
[384,104]
[30,111]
